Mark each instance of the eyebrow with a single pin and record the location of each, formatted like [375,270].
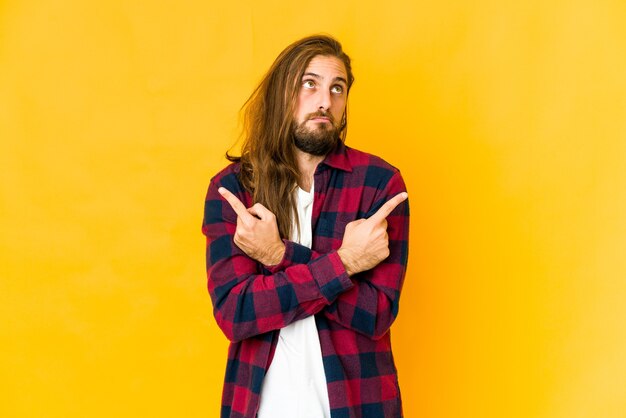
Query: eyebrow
[318,77]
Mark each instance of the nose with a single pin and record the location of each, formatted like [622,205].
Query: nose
[324,100]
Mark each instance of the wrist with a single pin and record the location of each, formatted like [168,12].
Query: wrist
[348,260]
[275,254]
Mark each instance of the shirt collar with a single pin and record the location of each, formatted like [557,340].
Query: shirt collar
[338,158]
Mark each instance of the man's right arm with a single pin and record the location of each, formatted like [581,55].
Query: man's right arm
[371,305]
[248,300]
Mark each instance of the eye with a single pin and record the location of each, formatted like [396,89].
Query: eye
[337,89]
[308,84]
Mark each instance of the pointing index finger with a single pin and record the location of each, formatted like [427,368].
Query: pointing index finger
[389,206]
[239,208]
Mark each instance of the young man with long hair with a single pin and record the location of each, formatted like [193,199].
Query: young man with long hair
[307,246]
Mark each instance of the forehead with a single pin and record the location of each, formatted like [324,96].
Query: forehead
[327,67]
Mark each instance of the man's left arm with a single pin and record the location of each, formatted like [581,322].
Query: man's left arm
[371,306]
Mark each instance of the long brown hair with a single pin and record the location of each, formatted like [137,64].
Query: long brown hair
[269,168]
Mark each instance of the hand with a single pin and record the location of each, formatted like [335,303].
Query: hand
[365,241]
[257,232]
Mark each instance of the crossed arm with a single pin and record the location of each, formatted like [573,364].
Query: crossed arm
[357,285]
[365,241]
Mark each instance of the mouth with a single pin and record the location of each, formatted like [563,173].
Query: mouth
[320,119]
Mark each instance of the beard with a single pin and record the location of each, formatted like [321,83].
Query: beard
[319,140]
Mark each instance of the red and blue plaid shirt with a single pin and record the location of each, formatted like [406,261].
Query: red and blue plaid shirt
[252,302]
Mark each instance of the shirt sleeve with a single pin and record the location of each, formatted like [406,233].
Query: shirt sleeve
[371,306]
[250,299]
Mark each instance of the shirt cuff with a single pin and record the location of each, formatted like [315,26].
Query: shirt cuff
[330,275]
[294,254]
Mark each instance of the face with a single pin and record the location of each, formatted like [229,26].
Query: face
[321,105]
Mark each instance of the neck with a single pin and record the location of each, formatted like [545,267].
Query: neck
[307,164]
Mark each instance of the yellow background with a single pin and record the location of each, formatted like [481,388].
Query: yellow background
[507,119]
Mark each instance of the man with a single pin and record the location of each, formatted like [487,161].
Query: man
[307,244]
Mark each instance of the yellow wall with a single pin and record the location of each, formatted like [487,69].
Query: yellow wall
[507,118]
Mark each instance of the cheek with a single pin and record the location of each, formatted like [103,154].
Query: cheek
[338,113]
[300,111]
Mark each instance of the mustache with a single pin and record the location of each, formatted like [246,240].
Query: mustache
[320,114]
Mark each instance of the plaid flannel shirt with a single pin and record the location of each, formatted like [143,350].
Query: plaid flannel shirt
[252,302]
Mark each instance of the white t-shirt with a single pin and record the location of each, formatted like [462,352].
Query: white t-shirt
[295,383]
